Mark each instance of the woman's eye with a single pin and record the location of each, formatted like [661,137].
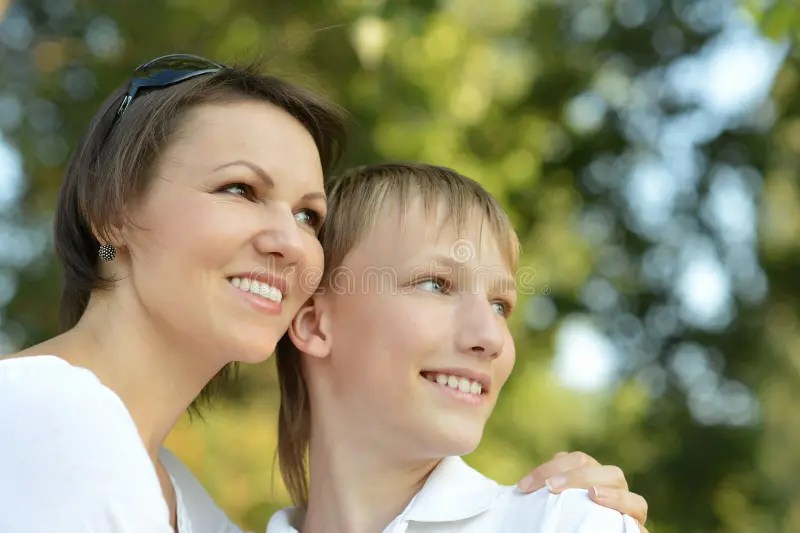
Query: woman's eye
[309,217]
[240,189]
[433,285]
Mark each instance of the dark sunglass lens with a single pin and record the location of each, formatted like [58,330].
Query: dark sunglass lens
[177,62]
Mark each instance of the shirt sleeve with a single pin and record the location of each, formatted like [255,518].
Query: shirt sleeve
[573,511]
[71,459]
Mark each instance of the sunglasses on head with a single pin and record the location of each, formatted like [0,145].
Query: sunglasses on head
[163,72]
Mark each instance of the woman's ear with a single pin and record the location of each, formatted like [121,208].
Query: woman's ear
[114,235]
[310,329]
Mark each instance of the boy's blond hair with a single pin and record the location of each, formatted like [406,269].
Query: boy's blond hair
[355,201]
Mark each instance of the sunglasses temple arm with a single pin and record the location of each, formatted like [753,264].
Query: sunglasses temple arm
[125,103]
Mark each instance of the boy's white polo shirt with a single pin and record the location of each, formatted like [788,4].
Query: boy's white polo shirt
[458,498]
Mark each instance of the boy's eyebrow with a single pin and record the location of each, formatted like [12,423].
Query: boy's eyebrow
[446,260]
[504,280]
[507,284]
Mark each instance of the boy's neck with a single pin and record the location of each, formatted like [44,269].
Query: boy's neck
[356,487]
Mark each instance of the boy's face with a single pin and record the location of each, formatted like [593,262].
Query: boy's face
[420,344]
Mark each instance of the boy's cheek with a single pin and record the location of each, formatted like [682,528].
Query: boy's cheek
[505,364]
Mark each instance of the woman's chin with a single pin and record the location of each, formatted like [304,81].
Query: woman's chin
[252,350]
[257,354]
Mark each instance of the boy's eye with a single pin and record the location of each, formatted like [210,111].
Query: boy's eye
[240,189]
[308,217]
[502,308]
[433,285]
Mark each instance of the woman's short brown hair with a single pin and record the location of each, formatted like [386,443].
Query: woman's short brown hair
[109,170]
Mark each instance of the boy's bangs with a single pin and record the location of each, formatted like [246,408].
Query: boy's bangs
[357,198]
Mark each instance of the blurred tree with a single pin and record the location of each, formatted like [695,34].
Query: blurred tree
[638,199]
[778,19]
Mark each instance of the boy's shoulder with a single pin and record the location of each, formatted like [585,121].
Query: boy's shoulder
[461,497]
[571,511]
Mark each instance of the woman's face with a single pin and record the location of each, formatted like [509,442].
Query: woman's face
[223,248]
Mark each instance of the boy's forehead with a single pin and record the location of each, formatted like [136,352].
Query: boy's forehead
[429,224]
[406,227]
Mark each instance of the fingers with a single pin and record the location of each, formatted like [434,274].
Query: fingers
[606,484]
[623,501]
[561,463]
[587,477]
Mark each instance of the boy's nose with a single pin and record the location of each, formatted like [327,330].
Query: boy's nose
[481,332]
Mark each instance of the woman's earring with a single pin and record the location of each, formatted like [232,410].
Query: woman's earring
[107,252]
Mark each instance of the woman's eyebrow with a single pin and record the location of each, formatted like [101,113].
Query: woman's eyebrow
[260,172]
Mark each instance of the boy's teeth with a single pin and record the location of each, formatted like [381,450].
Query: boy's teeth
[259,288]
[461,384]
[276,295]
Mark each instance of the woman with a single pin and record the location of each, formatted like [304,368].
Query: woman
[188,212]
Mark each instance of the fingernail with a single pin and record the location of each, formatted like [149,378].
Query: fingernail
[555,483]
[597,493]
[526,484]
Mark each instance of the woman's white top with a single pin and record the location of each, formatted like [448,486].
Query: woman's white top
[458,498]
[197,511]
[72,460]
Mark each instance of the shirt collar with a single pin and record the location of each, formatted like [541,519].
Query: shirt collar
[453,491]
[286,520]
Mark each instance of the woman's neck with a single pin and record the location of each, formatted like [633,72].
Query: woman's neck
[156,379]
[355,487]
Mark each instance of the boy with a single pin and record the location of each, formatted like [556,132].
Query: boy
[399,361]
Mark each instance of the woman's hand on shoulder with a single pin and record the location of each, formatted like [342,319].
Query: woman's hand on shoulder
[606,484]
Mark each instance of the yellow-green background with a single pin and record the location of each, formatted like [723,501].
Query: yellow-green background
[487,88]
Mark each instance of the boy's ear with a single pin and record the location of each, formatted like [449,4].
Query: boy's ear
[310,329]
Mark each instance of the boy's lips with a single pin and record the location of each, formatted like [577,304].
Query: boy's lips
[469,395]
[461,373]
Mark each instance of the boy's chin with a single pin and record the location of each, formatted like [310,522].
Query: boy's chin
[460,441]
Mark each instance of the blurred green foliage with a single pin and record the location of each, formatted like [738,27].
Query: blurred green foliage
[554,105]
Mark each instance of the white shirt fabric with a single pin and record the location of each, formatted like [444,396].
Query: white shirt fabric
[458,498]
[72,460]
[196,510]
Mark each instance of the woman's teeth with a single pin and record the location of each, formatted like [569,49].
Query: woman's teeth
[259,288]
[454,382]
